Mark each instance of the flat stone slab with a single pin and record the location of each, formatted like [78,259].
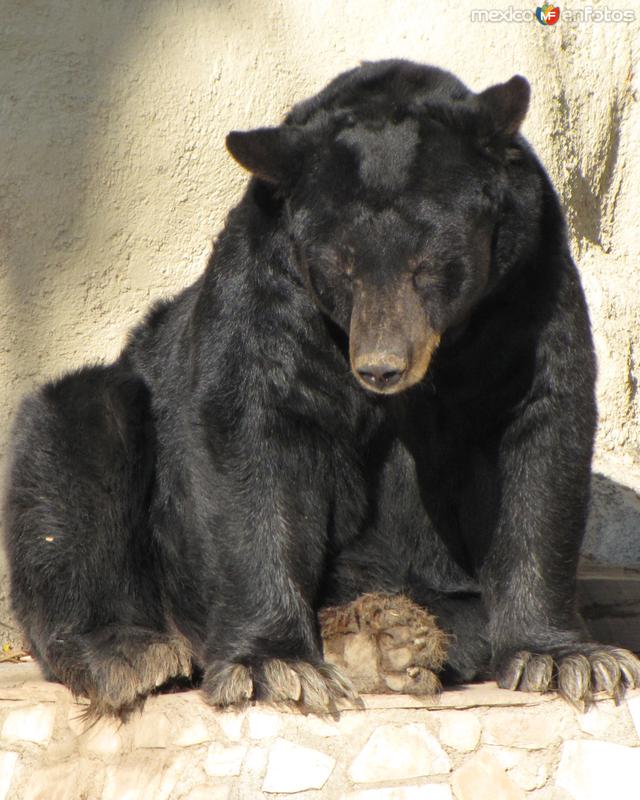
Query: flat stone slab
[398,752]
[593,770]
[473,695]
[19,681]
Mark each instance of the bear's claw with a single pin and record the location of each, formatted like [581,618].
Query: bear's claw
[576,672]
[118,669]
[309,688]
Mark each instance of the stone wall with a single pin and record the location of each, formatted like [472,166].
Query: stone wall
[476,743]
[115,178]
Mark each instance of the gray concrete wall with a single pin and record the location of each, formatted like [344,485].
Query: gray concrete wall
[114,176]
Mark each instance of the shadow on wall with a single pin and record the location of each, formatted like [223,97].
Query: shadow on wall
[48,125]
[55,76]
[609,584]
[613,531]
[97,122]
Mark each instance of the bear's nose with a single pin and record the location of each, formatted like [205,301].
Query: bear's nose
[381,374]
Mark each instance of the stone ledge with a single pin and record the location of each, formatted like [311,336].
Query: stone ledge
[471,743]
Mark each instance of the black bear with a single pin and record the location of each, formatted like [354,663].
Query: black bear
[374,410]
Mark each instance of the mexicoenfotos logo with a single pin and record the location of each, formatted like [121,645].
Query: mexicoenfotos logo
[547,14]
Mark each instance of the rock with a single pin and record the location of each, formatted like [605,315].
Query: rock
[196,732]
[595,722]
[320,727]
[489,694]
[591,770]
[255,761]
[141,776]
[224,761]
[459,730]
[263,724]
[293,768]
[399,752]
[528,769]
[31,724]
[102,739]
[486,694]
[432,791]
[152,729]
[531,773]
[76,720]
[482,778]
[606,720]
[550,793]
[231,723]
[505,756]
[63,781]
[532,729]
[207,792]
[8,761]
[633,704]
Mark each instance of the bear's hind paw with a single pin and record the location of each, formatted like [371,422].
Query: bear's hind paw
[385,643]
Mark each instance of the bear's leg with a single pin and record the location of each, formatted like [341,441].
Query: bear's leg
[528,574]
[83,567]
[385,642]
[269,546]
[275,656]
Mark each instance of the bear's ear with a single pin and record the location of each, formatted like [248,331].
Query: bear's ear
[506,105]
[272,154]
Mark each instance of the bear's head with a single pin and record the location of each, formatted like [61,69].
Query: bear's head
[393,182]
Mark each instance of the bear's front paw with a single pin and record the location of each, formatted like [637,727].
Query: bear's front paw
[576,672]
[385,643]
[309,688]
[117,668]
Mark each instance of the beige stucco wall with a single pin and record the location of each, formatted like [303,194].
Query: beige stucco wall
[114,177]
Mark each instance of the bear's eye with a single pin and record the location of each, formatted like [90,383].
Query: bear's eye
[428,274]
[421,278]
[444,277]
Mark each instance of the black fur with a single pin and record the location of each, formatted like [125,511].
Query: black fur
[230,474]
